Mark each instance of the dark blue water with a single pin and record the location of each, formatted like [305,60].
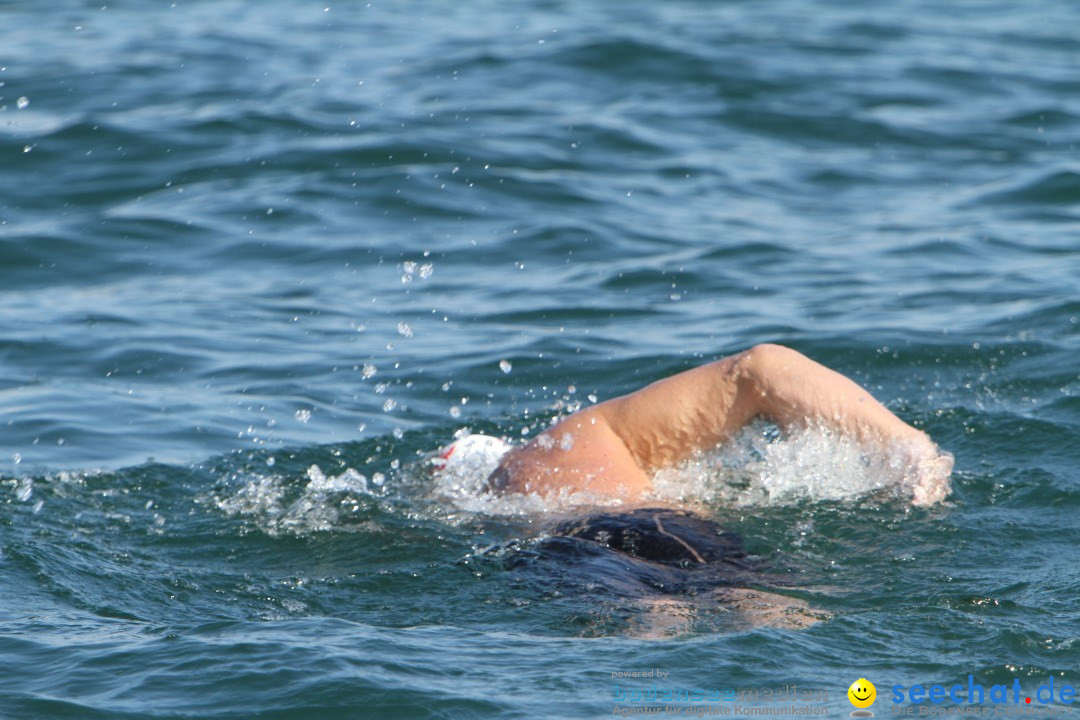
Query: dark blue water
[257,260]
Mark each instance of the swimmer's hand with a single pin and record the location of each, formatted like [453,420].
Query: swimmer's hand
[927,470]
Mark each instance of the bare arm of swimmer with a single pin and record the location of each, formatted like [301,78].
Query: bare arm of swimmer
[613,448]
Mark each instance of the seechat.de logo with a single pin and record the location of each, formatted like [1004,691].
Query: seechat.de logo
[862,694]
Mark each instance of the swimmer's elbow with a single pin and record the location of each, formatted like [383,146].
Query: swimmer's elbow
[764,359]
[759,371]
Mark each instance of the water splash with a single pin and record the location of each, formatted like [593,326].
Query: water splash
[759,467]
[25,489]
[762,467]
[324,503]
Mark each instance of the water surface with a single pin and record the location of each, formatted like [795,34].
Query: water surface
[257,260]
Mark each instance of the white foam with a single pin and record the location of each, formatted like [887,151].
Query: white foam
[322,504]
[761,467]
[530,505]
[758,467]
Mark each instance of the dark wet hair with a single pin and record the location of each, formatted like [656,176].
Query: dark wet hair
[660,535]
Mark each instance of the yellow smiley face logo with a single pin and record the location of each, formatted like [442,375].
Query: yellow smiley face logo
[862,693]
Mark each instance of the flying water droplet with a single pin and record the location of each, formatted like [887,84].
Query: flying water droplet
[505,366]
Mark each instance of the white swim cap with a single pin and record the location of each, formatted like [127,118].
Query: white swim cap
[476,455]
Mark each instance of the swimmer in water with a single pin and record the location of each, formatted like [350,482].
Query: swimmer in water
[612,449]
[671,564]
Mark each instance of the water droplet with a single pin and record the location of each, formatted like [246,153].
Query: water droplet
[567,442]
[270,461]
[399,433]
[505,366]
[368,371]
[404,329]
[303,415]
[425,270]
[24,489]
[378,478]
[592,397]
[22,102]
[455,411]
[389,405]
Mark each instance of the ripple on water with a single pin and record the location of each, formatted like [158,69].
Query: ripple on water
[208,214]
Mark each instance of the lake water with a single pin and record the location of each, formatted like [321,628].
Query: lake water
[259,260]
